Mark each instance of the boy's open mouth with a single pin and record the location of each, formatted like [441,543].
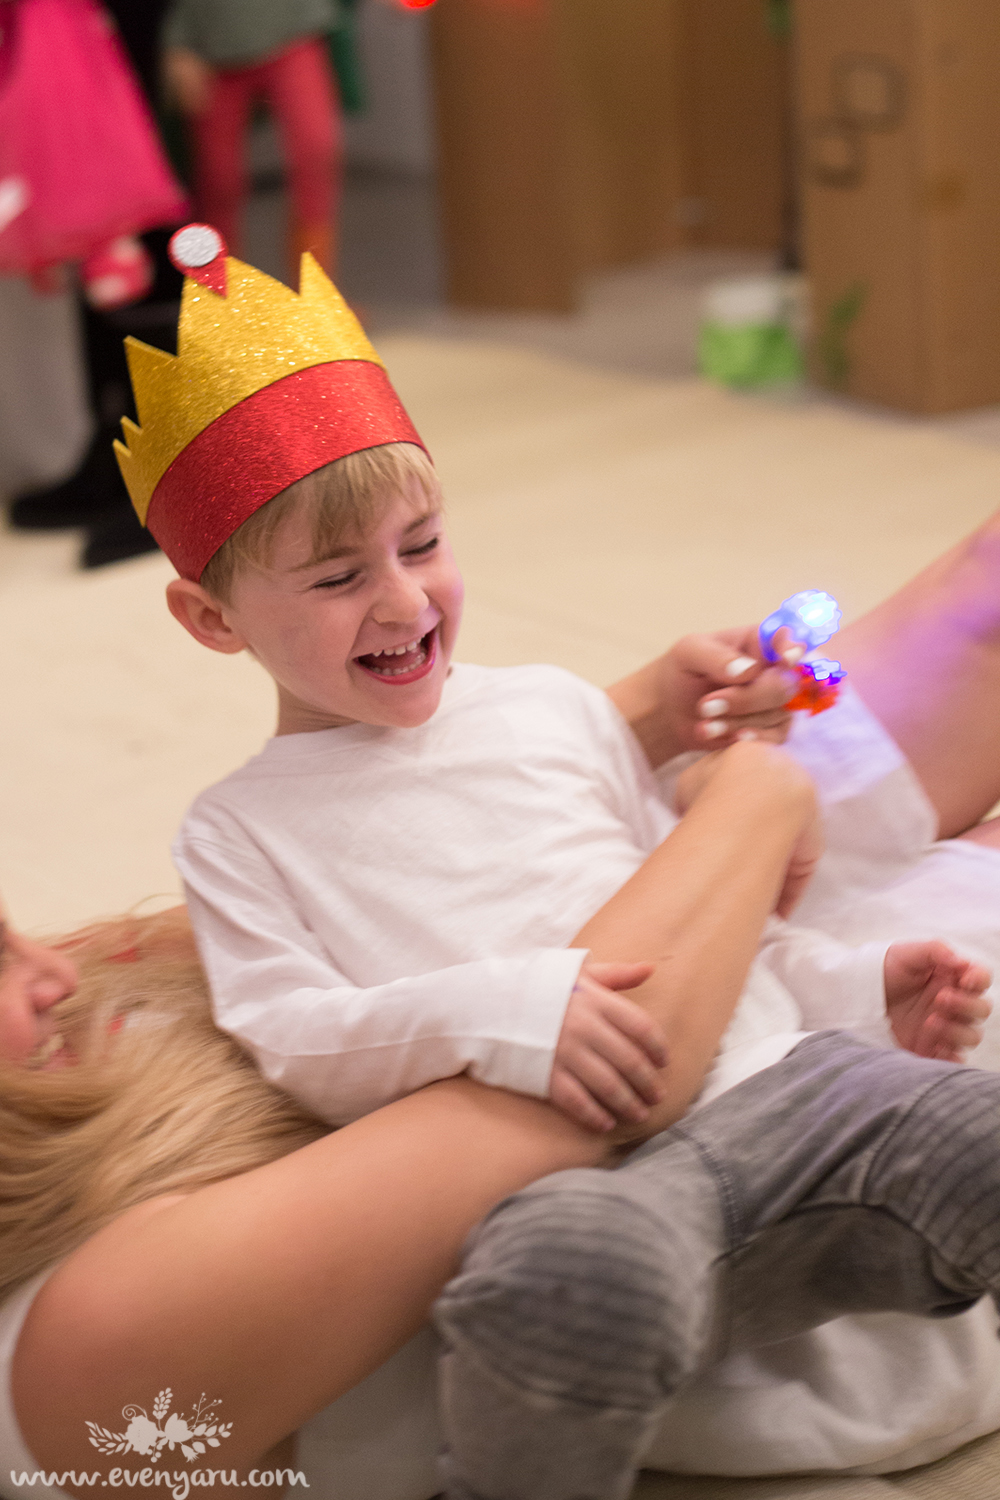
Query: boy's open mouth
[402,664]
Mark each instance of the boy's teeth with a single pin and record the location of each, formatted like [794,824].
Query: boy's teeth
[388,671]
[397,650]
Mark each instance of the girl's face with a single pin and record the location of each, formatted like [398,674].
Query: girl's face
[32,980]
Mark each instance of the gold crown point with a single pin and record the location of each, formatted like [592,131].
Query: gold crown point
[251,332]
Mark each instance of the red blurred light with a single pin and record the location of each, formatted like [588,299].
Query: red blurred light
[416,4]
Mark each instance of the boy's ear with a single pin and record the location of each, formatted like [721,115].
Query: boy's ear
[203,617]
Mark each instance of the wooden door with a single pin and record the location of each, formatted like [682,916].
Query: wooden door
[575,134]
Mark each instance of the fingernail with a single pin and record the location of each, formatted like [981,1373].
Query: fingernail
[739,665]
[793,654]
[714,728]
[747,734]
[713,709]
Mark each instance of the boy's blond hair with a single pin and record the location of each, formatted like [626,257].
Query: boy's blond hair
[341,500]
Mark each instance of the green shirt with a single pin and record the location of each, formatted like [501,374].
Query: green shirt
[233,33]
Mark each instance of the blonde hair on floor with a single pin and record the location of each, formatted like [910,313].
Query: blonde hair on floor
[340,501]
[159,1100]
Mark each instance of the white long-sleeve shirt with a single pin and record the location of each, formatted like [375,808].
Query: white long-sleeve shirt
[378,908]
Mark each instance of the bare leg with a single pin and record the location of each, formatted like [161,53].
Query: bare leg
[927,662]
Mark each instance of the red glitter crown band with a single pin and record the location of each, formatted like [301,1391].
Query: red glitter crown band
[258,448]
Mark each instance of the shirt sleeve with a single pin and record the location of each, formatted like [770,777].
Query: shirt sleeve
[344,1050]
[833,985]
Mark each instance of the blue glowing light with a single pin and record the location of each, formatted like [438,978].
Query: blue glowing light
[824,669]
[811,616]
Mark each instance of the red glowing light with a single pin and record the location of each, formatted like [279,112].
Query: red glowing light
[815,695]
[416,4]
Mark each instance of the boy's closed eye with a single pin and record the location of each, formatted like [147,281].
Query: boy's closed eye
[343,579]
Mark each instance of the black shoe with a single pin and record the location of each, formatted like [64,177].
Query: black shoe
[116,535]
[88,492]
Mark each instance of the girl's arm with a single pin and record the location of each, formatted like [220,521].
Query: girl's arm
[276,1291]
[697,906]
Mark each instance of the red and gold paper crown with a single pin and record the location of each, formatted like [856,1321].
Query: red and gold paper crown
[267,385]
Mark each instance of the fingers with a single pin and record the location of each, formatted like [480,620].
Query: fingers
[609,1050]
[569,1095]
[953,1035]
[596,1094]
[616,1070]
[949,1045]
[961,982]
[786,647]
[632,1021]
[723,658]
[924,962]
[770,724]
[609,1087]
[758,703]
[961,1007]
[625,1016]
[738,688]
[975,980]
[619,976]
[631,1060]
[953,1026]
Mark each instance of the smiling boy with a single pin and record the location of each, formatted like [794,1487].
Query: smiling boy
[328,876]
[390,892]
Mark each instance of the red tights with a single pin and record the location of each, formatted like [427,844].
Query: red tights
[299,88]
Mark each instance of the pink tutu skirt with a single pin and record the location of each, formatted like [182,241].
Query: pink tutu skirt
[80,160]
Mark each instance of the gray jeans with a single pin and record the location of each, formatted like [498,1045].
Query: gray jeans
[842,1179]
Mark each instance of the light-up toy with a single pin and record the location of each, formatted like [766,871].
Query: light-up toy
[811,617]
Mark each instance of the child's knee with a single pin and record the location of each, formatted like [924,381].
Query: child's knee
[573,1293]
[939,1173]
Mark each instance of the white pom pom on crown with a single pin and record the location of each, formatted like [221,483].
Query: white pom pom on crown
[199,251]
[195,245]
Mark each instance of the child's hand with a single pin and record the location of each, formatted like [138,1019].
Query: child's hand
[934,999]
[608,1051]
[187,80]
[719,685]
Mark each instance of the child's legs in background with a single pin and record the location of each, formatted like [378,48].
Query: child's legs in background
[301,91]
[220,146]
